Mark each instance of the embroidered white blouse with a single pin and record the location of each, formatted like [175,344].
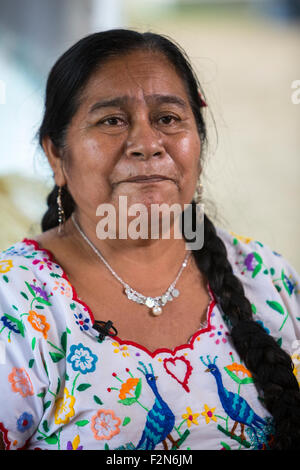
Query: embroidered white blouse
[63,388]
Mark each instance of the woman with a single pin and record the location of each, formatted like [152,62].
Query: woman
[140,343]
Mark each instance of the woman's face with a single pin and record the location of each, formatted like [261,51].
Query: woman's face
[134,120]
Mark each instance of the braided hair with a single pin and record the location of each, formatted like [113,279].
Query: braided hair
[271,366]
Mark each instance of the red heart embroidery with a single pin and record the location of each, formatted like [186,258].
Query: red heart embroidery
[184,370]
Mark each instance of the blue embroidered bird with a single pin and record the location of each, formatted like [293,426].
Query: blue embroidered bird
[236,407]
[160,419]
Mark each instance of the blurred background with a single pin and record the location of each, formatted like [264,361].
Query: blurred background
[246,55]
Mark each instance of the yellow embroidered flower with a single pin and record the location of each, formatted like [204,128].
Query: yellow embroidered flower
[5,265]
[119,348]
[64,408]
[190,417]
[209,414]
[241,237]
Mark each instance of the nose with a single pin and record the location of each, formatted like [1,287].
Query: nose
[143,141]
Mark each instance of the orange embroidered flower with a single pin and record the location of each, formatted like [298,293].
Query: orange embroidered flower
[105,424]
[63,287]
[5,265]
[20,382]
[38,322]
[235,367]
[190,417]
[64,409]
[209,414]
[129,385]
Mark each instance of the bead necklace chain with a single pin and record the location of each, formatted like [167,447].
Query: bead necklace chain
[156,304]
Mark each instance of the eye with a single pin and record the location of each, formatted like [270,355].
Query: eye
[168,119]
[112,121]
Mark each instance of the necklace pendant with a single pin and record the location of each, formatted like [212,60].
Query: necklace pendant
[157,310]
[149,302]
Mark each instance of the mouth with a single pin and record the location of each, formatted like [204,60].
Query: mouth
[147,179]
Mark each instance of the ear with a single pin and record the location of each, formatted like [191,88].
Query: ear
[55,160]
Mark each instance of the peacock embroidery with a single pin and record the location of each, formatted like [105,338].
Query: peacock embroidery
[160,419]
[236,407]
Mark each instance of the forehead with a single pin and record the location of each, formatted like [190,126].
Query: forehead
[135,75]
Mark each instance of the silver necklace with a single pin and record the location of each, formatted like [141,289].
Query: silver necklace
[156,304]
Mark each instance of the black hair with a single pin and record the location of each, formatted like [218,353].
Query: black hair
[271,367]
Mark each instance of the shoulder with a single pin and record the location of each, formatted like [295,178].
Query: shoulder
[271,284]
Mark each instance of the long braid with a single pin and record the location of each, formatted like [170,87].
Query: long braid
[271,367]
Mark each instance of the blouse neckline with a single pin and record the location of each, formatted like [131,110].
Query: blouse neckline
[75,298]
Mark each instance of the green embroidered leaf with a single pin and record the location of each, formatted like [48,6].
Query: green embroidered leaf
[63,341]
[106,447]
[31,362]
[247,380]
[276,306]
[56,357]
[42,394]
[43,301]
[265,271]
[24,267]
[257,257]
[67,377]
[225,446]
[58,386]
[82,423]
[72,306]
[254,310]
[39,438]
[284,282]
[52,439]
[68,330]
[235,241]
[138,389]
[128,401]
[47,404]
[83,387]
[30,289]
[278,288]
[33,343]
[45,426]
[256,270]
[5,278]
[126,421]
[279,342]
[298,318]
[16,308]
[24,295]
[39,307]
[54,275]
[272,271]
[97,400]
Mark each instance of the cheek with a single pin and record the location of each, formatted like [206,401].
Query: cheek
[187,153]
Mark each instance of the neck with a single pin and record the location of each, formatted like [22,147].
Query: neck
[156,259]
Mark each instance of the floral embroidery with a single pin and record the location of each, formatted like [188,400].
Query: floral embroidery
[20,382]
[220,332]
[42,263]
[128,387]
[105,424]
[63,287]
[10,324]
[75,444]
[82,359]
[191,418]
[209,414]
[38,322]
[24,422]
[64,409]
[83,324]
[123,349]
[5,265]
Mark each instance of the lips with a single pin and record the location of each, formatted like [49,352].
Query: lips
[146,178]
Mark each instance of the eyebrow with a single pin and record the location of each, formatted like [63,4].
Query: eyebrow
[122,101]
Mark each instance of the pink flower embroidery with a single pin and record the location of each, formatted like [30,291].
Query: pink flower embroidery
[63,287]
[105,424]
[219,333]
[43,262]
[20,382]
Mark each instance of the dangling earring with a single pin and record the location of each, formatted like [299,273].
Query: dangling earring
[198,193]
[61,212]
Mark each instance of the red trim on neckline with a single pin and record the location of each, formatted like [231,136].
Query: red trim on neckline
[75,297]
